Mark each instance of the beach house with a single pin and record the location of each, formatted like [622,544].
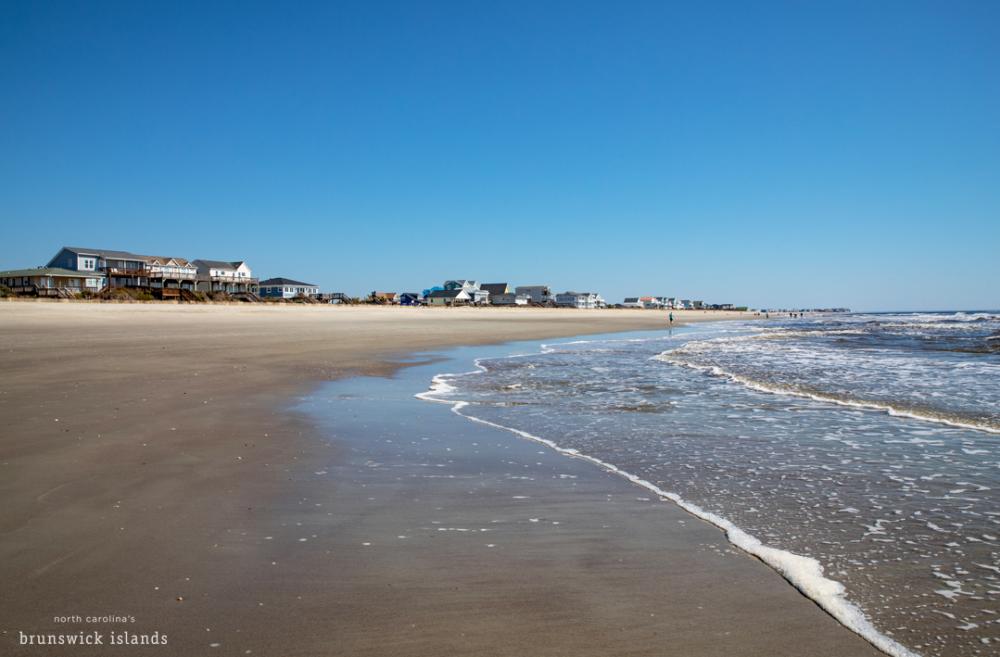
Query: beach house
[461,284]
[651,303]
[502,295]
[232,277]
[97,260]
[171,273]
[509,299]
[477,295]
[495,291]
[454,297]
[125,269]
[51,281]
[579,300]
[536,294]
[384,298]
[286,288]
[633,302]
[409,299]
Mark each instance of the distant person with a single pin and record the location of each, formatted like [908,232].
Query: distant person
[671,318]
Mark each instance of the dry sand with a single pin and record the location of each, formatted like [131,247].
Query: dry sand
[148,451]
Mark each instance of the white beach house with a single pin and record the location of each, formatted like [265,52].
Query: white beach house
[166,272]
[579,300]
[477,295]
[225,276]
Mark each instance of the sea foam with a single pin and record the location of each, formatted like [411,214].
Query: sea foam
[777,389]
[804,573]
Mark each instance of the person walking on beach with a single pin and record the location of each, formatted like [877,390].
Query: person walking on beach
[671,319]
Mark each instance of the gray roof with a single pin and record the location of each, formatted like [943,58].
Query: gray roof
[49,271]
[104,253]
[120,255]
[444,294]
[494,288]
[219,264]
[284,281]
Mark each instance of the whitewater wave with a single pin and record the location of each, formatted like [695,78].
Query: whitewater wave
[786,389]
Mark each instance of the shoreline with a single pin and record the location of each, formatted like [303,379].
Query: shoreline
[731,601]
[804,573]
[141,481]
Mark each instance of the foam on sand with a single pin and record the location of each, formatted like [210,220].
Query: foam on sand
[804,573]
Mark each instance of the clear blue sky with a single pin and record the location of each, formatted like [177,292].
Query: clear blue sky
[783,154]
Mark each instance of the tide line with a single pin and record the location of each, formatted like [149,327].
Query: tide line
[804,573]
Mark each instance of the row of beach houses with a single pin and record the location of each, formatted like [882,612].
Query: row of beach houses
[469,292]
[473,293]
[76,271]
[673,303]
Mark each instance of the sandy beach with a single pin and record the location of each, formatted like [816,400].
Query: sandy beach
[155,472]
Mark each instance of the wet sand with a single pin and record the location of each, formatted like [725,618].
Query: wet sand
[152,468]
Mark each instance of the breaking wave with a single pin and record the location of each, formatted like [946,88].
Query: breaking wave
[894,410]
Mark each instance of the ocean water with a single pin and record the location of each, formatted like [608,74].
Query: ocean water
[859,455]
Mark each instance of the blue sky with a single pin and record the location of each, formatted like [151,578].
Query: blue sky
[795,154]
